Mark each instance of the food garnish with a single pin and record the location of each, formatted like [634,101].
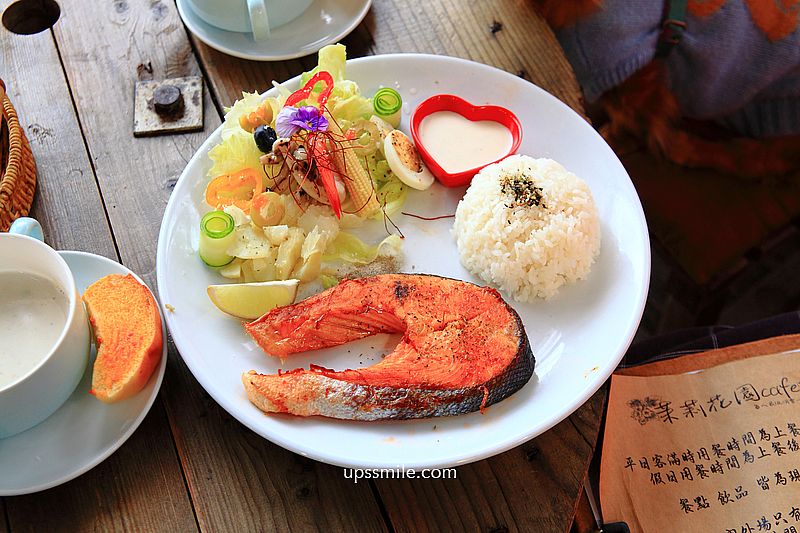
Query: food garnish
[405,162]
[538,219]
[383,128]
[360,185]
[387,104]
[127,329]
[439,217]
[292,171]
[328,281]
[251,300]
[216,236]
[236,189]
[347,247]
[265,137]
[267,209]
[293,119]
[463,349]
[522,190]
[260,116]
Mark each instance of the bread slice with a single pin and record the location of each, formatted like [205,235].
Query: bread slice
[127,330]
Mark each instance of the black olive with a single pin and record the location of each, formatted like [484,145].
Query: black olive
[265,136]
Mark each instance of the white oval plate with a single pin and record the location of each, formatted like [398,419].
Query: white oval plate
[84,431]
[324,22]
[578,337]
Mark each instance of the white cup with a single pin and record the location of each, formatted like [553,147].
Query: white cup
[35,395]
[254,16]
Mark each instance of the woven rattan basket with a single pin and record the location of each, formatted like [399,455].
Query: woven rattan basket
[17,167]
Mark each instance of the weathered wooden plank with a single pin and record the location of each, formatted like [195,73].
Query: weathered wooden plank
[117,494]
[587,419]
[3,517]
[67,201]
[137,41]
[130,491]
[236,480]
[533,487]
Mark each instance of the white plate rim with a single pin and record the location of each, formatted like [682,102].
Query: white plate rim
[190,24]
[125,435]
[600,376]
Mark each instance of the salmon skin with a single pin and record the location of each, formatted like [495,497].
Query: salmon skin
[463,348]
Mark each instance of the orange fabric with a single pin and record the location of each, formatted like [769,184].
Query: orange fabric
[704,8]
[776,18]
[559,14]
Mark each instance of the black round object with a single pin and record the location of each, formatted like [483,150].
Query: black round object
[27,17]
[167,99]
[265,137]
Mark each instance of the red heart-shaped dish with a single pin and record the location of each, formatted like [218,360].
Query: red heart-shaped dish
[473,113]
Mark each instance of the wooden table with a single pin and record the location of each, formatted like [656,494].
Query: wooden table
[190,465]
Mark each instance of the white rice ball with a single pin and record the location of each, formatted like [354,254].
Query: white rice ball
[527,226]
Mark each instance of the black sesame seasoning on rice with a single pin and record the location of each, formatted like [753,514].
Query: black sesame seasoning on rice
[523,191]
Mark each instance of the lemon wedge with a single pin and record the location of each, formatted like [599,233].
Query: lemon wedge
[251,300]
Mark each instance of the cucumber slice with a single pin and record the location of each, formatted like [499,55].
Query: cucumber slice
[387,104]
[216,236]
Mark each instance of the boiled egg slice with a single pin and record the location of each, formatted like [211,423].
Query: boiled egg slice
[405,162]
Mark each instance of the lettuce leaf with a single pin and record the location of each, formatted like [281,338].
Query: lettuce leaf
[346,101]
[351,108]
[331,58]
[328,281]
[237,150]
[347,247]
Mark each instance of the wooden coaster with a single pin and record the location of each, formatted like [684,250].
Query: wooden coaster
[168,106]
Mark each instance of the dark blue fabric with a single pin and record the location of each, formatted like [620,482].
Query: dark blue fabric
[724,68]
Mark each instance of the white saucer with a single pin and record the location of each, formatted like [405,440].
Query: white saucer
[324,22]
[84,431]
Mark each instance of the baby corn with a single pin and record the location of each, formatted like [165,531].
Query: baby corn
[356,178]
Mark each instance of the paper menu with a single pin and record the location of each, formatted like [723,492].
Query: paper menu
[713,450]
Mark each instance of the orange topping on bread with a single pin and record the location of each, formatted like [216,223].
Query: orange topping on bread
[127,329]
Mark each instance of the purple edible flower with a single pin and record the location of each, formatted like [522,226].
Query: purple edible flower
[290,120]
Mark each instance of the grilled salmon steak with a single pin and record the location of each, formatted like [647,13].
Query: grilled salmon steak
[463,348]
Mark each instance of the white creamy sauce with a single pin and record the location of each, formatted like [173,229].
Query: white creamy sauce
[33,313]
[459,144]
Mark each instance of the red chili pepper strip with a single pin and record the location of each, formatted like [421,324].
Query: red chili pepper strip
[305,92]
[326,175]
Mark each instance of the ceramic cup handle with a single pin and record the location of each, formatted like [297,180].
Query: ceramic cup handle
[259,20]
[27,226]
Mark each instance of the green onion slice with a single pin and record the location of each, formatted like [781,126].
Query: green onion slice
[387,102]
[217,224]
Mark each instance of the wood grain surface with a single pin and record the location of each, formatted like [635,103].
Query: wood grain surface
[191,465]
[530,488]
[116,494]
[66,188]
